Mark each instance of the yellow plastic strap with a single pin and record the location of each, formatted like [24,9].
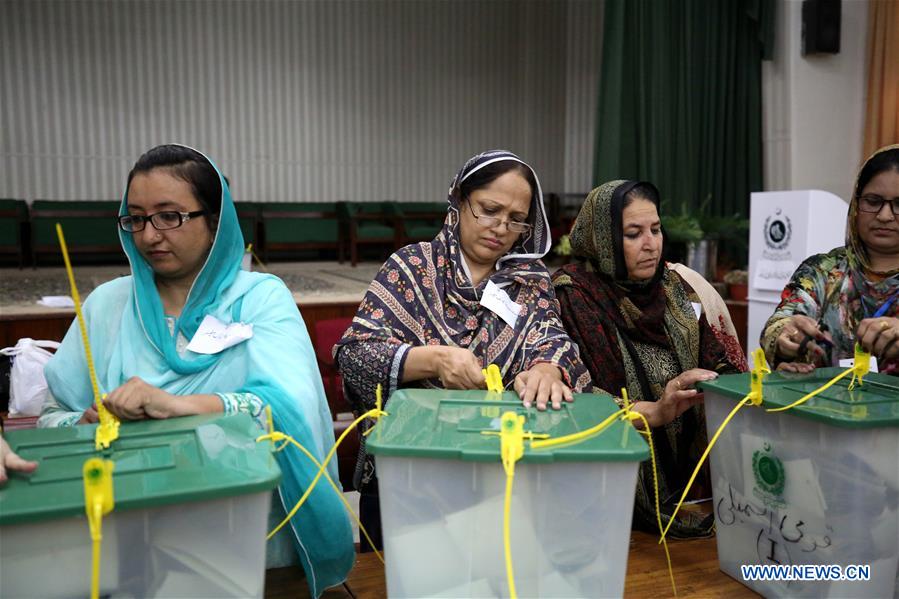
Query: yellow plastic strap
[507,544]
[108,430]
[860,366]
[859,369]
[275,436]
[759,362]
[579,436]
[511,441]
[375,413]
[757,377]
[494,378]
[511,436]
[98,501]
[647,432]
[702,459]
[250,251]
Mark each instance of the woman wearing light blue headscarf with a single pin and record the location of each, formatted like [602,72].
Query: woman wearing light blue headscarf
[179,229]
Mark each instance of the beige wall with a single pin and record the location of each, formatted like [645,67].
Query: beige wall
[814,105]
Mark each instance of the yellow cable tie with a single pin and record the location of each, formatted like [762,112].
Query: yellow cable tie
[99,500]
[820,389]
[252,252]
[702,459]
[757,377]
[579,436]
[860,366]
[108,429]
[511,449]
[290,440]
[494,378]
[321,471]
[647,432]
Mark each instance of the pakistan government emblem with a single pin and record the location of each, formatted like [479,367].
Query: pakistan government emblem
[769,476]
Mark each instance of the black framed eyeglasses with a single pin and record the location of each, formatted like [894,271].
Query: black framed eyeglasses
[161,221]
[874,204]
[493,221]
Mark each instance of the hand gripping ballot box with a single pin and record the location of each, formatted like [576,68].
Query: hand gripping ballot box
[442,486]
[814,485]
[192,497]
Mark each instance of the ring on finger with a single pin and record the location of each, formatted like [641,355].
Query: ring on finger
[884,325]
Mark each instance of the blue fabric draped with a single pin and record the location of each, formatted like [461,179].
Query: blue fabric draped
[129,337]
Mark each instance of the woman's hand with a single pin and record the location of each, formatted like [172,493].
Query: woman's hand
[9,460]
[458,368]
[542,384]
[89,416]
[796,367]
[136,400]
[879,337]
[790,341]
[678,397]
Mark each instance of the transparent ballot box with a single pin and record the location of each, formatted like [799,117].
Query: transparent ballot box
[192,498]
[442,488]
[816,485]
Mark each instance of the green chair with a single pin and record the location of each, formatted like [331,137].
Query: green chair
[420,221]
[370,223]
[89,226]
[13,218]
[300,226]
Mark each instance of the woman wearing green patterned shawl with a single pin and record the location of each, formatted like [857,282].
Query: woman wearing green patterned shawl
[850,294]
[651,328]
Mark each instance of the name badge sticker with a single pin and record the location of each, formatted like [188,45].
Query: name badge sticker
[498,301]
[214,336]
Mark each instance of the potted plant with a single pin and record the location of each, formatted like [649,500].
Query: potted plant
[728,238]
[737,284]
[682,230]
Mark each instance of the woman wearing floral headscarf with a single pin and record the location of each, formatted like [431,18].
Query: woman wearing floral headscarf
[651,328]
[850,294]
[440,311]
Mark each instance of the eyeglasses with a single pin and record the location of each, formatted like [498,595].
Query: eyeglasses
[874,204]
[161,221]
[492,221]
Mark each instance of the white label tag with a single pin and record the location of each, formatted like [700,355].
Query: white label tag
[214,336]
[498,301]
[850,362]
[697,307]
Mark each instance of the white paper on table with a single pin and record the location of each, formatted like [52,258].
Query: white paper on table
[57,301]
[214,336]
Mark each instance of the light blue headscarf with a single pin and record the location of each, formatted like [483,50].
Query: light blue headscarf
[130,337]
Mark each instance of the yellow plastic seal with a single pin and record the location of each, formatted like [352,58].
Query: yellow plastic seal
[108,431]
[494,378]
[757,376]
[98,501]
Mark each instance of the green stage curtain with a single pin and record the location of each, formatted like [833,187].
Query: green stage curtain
[680,98]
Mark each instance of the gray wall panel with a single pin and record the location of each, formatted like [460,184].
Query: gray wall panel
[297,100]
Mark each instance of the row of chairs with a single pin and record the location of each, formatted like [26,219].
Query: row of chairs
[345,228]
